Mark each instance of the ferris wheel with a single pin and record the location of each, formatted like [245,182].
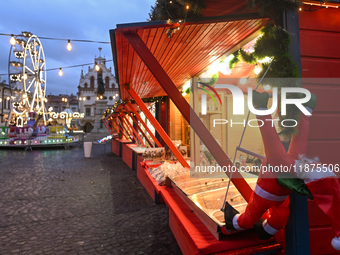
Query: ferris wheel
[27,78]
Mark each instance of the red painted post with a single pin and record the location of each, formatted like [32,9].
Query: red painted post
[188,113]
[158,127]
[136,123]
[130,106]
[107,126]
[132,128]
[120,128]
[126,127]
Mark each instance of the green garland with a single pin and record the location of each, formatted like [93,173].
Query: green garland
[164,10]
[274,43]
[274,8]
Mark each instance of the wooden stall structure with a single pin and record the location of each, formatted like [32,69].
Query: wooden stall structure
[155,59]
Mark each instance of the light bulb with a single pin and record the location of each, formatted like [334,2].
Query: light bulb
[97,98]
[12,40]
[84,98]
[97,67]
[80,98]
[257,69]
[101,97]
[69,46]
[187,7]
[60,72]
[25,76]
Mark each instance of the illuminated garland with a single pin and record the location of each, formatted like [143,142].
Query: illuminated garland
[274,43]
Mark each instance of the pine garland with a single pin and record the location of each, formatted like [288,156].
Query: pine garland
[274,43]
[274,8]
[164,10]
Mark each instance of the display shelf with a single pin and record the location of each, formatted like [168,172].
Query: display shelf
[136,151]
[205,198]
[194,238]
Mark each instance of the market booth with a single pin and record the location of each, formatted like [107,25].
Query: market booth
[154,60]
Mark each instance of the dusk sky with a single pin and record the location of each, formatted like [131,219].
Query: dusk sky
[67,19]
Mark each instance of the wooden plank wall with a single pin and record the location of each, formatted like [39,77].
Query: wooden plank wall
[320,65]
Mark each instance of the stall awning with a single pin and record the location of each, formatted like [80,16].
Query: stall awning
[183,49]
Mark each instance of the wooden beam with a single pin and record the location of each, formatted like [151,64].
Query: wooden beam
[136,123]
[120,128]
[107,126]
[132,128]
[188,113]
[158,127]
[130,106]
[126,127]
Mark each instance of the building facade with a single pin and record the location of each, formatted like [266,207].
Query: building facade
[5,103]
[97,91]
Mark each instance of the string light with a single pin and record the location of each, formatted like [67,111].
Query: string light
[60,72]
[12,41]
[69,46]
[97,66]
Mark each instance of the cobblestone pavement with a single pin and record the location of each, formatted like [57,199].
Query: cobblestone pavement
[56,201]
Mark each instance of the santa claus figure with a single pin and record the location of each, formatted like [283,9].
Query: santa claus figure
[269,199]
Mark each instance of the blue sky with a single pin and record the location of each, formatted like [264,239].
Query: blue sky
[67,19]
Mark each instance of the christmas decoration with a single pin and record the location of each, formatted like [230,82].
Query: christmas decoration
[270,198]
[274,45]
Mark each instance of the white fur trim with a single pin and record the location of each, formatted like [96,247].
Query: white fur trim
[235,223]
[336,243]
[266,195]
[269,229]
[313,174]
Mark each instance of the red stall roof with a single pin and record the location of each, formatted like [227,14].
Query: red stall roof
[183,54]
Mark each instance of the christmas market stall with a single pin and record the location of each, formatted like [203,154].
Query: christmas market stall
[178,80]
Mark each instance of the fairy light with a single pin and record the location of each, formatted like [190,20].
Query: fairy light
[69,46]
[97,66]
[12,40]
[257,69]
[60,72]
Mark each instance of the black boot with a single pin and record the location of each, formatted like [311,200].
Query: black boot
[229,213]
[261,233]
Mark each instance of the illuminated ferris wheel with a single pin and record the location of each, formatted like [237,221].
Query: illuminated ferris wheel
[27,77]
